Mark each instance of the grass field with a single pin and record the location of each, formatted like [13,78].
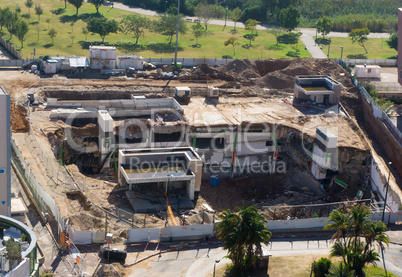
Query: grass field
[151,45]
[299,266]
[377,48]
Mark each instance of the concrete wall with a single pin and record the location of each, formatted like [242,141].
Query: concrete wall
[386,140]
[5,154]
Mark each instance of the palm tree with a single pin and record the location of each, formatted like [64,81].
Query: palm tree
[357,248]
[340,270]
[243,234]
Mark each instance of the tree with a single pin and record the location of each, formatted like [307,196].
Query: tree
[72,26]
[205,12]
[72,39]
[232,41]
[21,29]
[18,9]
[166,25]
[102,26]
[290,18]
[393,41]
[277,32]
[236,15]
[38,11]
[11,19]
[85,32]
[340,270]
[324,25]
[360,36]
[135,24]
[197,31]
[97,4]
[243,234]
[13,251]
[251,25]
[29,5]
[77,4]
[358,247]
[52,34]
[48,22]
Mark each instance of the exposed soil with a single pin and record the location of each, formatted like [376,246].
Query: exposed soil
[19,122]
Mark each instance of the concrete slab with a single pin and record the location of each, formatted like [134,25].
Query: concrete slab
[155,201]
[17,206]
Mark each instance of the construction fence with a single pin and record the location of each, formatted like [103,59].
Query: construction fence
[11,63]
[380,62]
[43,200]
[11,48]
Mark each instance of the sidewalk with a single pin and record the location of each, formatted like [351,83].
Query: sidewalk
[312,47]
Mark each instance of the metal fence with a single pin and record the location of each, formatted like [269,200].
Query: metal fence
[11,63]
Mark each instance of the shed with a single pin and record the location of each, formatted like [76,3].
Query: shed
[49,66]
[124,62]
[368,71]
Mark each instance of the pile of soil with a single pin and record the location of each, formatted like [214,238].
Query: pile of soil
[19,122]
[273,73]
[111,270]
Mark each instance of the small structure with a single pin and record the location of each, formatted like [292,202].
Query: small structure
[102,57]
[134,61]
[49,66]
[324,153]
[182,92]
[319,89]
[212,92]
[161,168]
[73,63]
[367,71]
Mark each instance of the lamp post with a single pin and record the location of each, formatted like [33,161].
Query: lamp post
[386,192]
[216,262]
[341,52]
[177,33]
[316,33]
[329,47]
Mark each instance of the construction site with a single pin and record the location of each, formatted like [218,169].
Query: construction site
[285,135]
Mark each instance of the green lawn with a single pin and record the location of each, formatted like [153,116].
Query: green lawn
[377,48]
[151,45]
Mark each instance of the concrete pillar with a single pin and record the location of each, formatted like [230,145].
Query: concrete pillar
[5,154]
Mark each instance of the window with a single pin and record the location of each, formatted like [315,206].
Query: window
[369,70]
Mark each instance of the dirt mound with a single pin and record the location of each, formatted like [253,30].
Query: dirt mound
[111,270]
[19,122]
[277,80]
[266,66]
[86,221]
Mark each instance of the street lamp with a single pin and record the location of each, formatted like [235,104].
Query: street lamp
[341,52]
[177,33]
[329,47]
[216,262]
[316,33]
[386,192]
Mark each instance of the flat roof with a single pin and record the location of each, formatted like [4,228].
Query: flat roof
[139,175]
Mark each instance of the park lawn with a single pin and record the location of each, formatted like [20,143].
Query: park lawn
[300,266]
[70,40]
[377,48]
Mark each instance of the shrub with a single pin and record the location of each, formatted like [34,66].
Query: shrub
[321,267]
[357,56]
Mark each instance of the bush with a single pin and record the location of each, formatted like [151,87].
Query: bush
[321,267]
[289,38]
[227,57]
[357,56]
[324,41]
